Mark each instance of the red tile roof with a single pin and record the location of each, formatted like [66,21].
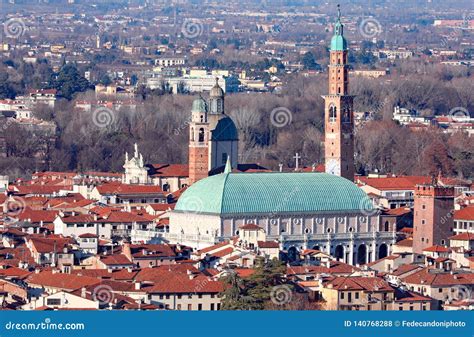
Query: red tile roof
[395,183]
[211,248]
[162,207]
[223,252]
[169,170]
[405,243]
[437,249]
[372,284]
[400,211]
[88,236]
[59,280]
[466,213]
[268,244]
[434,278]
[49,244]
[336,267]
[118,189]
[40,189]
[466,236]
[36,216]
[250,226]
[171,283]
[116,259]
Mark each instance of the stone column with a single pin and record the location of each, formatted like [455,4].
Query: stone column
[351,253]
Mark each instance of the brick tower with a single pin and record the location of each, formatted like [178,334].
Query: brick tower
[198,142]
[339,119]
[433,218]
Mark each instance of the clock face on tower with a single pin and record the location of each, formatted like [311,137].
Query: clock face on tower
[333,167]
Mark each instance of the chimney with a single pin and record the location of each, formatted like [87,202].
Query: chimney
[127,251]
[83,292]
[190,274]
[138,285]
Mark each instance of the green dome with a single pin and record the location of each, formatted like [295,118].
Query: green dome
[199,105]
[338,43]
[273,193]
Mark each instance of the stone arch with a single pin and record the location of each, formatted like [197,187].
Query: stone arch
[293,254]
[339,252]
[201,135]
[383,251]
[316,247]
[362,254]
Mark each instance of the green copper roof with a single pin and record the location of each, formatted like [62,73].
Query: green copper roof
[273,193]
[338,42]
[199,105]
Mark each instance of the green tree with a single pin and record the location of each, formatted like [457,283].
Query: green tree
[68,81]
[309,61]
[254,292]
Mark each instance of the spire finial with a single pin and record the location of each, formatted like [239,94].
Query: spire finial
[339,11]
[228,166]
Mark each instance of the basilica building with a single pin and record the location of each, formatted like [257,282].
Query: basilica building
[324,211]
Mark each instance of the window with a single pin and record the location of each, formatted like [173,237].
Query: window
[53,301]
[332,114]
[357,296]
[201,135]
[199,306]
[342,296]
[212,306]
[190,307]
[178,307]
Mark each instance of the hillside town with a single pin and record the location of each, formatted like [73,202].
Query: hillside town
[225,224]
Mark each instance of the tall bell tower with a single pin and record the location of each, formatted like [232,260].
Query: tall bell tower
[198,141]
[339,113]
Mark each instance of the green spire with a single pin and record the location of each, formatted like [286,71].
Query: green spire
[338,42]
[228,166]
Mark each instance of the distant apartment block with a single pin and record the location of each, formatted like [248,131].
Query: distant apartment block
[170,61]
